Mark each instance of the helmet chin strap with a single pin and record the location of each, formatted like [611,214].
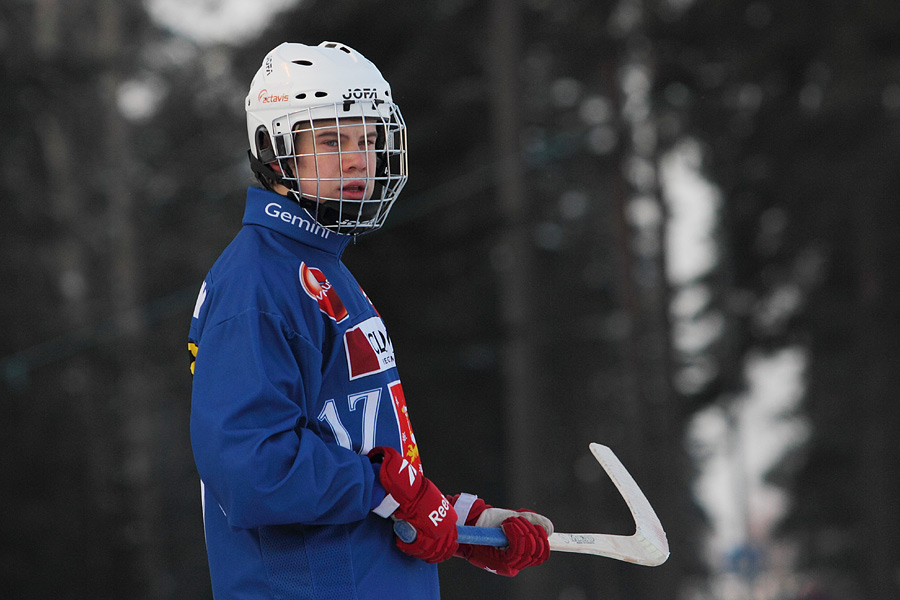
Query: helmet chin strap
[264,173]
[324,213]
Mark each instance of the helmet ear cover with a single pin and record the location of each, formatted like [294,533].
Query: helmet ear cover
[265,152]
[264,149]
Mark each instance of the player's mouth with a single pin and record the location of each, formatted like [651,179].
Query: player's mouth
[354,190]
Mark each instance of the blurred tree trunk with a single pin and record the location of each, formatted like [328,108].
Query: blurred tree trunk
[875,383]
[652,449]
[133,401]
[90,438]
[520,364]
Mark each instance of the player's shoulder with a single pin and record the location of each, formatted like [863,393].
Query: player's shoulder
[251,255]
[260,270]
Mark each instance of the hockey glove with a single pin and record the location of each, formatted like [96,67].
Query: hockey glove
[526,531]
[421,504]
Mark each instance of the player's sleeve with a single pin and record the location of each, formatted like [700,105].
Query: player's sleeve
[248,436]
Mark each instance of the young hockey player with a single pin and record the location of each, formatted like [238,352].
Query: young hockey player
[299,424]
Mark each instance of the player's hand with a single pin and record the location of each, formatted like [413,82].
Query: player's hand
[526,531]
[528,547]
[421,504]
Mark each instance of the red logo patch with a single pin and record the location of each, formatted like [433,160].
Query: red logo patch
[369,349]
[320,289]
[407,438]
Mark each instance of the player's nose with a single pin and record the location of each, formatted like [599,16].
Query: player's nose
[354,159]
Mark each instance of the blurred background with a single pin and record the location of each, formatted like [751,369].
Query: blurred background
[668,226]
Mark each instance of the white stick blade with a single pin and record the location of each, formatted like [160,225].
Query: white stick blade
[633,549]
[649,533]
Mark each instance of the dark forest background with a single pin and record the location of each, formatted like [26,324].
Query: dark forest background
[523,274]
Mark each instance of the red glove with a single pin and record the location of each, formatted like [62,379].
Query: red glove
[525,530]
[421,505]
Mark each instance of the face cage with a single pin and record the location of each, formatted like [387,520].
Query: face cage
[380,165]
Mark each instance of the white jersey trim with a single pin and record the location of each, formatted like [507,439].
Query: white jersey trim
[387,507]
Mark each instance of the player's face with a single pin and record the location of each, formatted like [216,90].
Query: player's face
[336,160]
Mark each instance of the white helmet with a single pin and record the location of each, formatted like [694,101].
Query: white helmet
[303,89]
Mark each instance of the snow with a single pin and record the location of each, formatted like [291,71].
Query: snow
[210,22]
[693,207]
[737,445]
[138,98]
[736,442]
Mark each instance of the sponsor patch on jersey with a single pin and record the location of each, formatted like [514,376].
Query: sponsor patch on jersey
[369,349]
[320,289]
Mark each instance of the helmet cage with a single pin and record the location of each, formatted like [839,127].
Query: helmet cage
[384,175]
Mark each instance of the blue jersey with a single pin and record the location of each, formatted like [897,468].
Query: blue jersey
[294,382]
